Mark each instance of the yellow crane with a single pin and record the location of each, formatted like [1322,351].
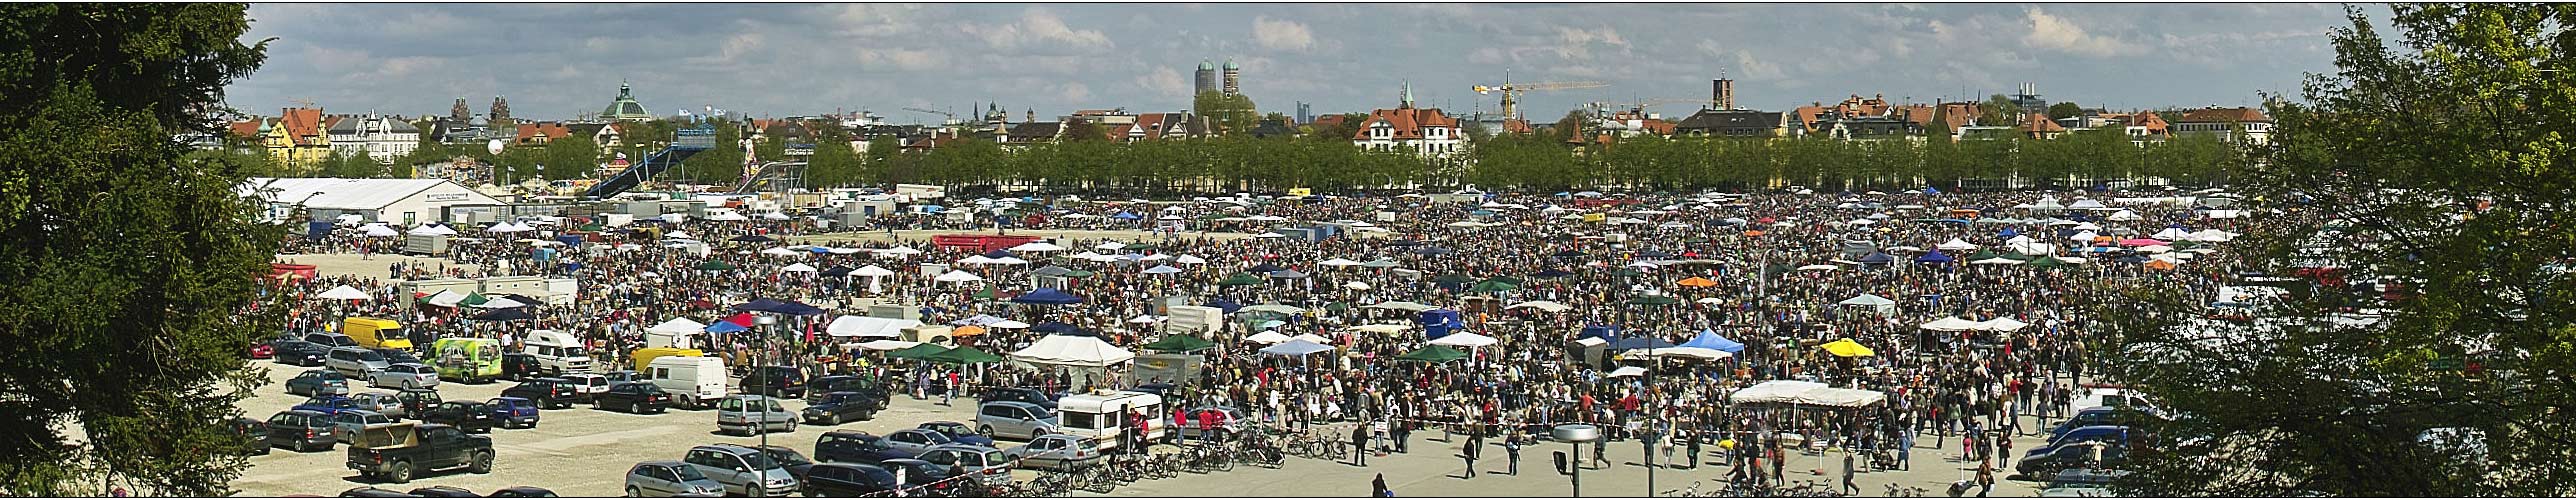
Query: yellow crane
[1511,91]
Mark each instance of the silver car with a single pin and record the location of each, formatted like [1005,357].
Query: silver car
[1056,452]
[346,425]
[988,465]
[742,470]
[747,414]
[405,375]
[1014,419]
[663,478]
[380,402]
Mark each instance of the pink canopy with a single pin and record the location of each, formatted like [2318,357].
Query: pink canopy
[2140,242]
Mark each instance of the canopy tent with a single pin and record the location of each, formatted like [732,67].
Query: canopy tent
[957,277]
[1163,270]
[917,351]
[1178,343]
[1465,339]
[1433,354]
[1709,339]
[1950,324]
[1295,347]
[865,326]
[1399,305]
[677,326]
[500,303]
[342,292]
[1627,371]
[1868,300]
[1073,350]
[1541,305]
[1847,348]
[964,355]
[799,267]
[2001,325]
[1047,296]
[1309,337]
[1274,308]
[1805,393]
[872,271]
[1037,246]
[1267,337]
[1956,245]
[1935,257]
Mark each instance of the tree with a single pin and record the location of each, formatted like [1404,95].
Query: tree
[1566,127]
[130,263]
[1999,110]
[2435,166]
[1081,130]
[2064,110]
[350,166]
[1234,114]
[834,164]
[573,157]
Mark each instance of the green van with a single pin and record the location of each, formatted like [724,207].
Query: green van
[472,361]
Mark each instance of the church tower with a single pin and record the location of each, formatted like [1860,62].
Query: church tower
[1233,77]
[501,112]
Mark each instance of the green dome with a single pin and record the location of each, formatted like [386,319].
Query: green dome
[1229,64]
[625,107]
[1204,65]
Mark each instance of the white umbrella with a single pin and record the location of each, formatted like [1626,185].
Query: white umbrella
[1956,244]
[1010,261]
[1163,270]
[1356,285]
[1309,337]
[1464,339]
[678,326]
[1950,324]
[500,303]
[1338,262]
[2002,325]
[343,292]
[1190,259]
[844,251]
[1995,261]
[872,271]
[1037,246]
[1144,319]
[799,267]
[1267,337]
[957,277]
[1627,371]
[1007,325]
[1294,347]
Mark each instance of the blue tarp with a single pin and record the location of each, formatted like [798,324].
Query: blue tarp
[1047,296]
[1605,332]
[725,327]
[1225,305]
[1936,257]
[1709,339]
[1639,343]
[1056,328]
[1123,215]
[1877,258]
[1438,323]
[774,306]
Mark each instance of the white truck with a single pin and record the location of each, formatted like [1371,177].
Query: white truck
[1105,415]
[557,353]
[693,381]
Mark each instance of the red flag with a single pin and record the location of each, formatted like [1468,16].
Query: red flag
[741,319]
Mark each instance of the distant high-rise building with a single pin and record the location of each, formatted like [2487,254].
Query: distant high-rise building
[501,113]
[1305,113]
[1207,78]
[1233,77]
[2029,100]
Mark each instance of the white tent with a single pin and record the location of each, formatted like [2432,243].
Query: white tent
[1296,348]
[799,267]
[1267,337]
[957,277]
[865,326]
[1309,337]
[1109,245]
[1541,305]
[887,345]
[1956,245]
[775,216]
[975,260]
[1628,371]
[1007,325]
[342,292]
[1356,285]
[445,298]
[1338,262]
[677,326]
[380,231]
[2123,215]
[2086,204]
[1144,319]
[1190,259]
[872,271]
[1805,393]
[1400,305]
[500,303]
[1995,261]
[680,235]
[1464,339]
[2171,234]
[433,231]
[781,252]
[1073,350]
[1868,300]
[1951,324]
[2001,325]
[1037,246]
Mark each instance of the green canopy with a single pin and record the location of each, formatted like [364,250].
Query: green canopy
[1512,280]
[1433,354]
[1627,273]
[1452,279]
[714,265]
[1239,279]
[1491,286]
[474,299]
[1178,343]
[1337,307]
[2045,262]
[964,356]
[916,352]
[1654,300]
[1077,273]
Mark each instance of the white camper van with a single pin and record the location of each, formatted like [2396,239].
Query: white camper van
[1104,415]
[693,381]
[557,353]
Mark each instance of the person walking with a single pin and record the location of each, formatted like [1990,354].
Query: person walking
[1359,450]
[1691,456]
[1403,430]
[1985,478]
[1377,488]
[1848,488]
[1905,450]
[1512,449]
[1475,444]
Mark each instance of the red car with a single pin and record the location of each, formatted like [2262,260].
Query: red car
[261,351]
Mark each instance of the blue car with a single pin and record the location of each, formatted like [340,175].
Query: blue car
[2097,416]
[2113,434]
[328,405]
[514,412]
[958,432]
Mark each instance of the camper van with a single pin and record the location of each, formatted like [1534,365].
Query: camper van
[472,361]
[693,381]
[1104,415]
[376,333]
[557,353]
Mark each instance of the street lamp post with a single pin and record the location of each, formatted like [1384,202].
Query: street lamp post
[765,321]
[1577,434]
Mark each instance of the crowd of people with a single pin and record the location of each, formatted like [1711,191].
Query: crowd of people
[1770,271]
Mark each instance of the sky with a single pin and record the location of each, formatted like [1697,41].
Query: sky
[561,61]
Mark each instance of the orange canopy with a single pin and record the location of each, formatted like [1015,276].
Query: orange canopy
[2160,265]
[966,331]
[1756,232]
[1698,281]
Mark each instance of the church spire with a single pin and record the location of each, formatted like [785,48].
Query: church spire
[1407,96]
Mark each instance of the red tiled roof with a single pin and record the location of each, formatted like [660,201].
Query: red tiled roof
[303,125]
[1659,127]
[2225,115]
[1807,116]
[1517,126]
[528,132]
[1407,123]
[2148,119]
[2039,124]
[246,129]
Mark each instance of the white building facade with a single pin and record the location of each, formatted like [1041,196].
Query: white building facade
[380,137]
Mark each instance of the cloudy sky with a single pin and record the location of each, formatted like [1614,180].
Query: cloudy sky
[558,61]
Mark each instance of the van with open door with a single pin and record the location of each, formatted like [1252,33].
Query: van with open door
[557,353]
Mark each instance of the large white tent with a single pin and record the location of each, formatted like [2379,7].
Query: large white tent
[1805,393]
[1073,350]
[865,326]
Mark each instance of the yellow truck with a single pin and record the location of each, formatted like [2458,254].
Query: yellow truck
[376,333]
[644,357]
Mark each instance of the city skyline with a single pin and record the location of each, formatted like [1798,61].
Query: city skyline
[560,61]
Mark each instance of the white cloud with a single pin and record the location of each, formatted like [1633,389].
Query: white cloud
[1754,68]
[1075,93]
[2052,32]
[1576,43]
[904,59]
[1163,81]
[868,20]
[1039,29]
[1282,34]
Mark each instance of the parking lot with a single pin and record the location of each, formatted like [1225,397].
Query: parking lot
[585,452]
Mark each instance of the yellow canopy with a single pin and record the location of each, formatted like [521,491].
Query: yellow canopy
[966,331]
[1698,282]
[1847,348]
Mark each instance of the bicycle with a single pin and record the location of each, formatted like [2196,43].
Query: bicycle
[1692,491]
[1908,491]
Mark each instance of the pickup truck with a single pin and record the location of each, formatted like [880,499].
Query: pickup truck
[394,452]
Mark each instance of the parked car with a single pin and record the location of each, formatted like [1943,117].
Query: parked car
[2045,466]
[633,397]
[327,404]
[405,375]
[746,414]
[2100,433]
[823,386]
[849,480]
[514,412]
[1056,452]
[380,402]
[663,478]
[346,425]
[912,472]
[586,386]
[399,356]
[318,382]
[624,376]
[395,452]
[262,351]
[1014,419]
[985,464]
[301,430]
[355,361]
[551,393]
[776,381]
[838,407]
[1028,395]
[253,434]
[2102,415]
[742,470]
[912,442]
[795,463]
[373,492]
[467,416]
[1222,421]
[297,352]
[330,340]
[523,492]
[957,432]
[520,366]
[416,402]
[855,447]
[442,492]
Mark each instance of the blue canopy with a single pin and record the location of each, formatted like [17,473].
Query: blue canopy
[1877,258]
[1059,328]
[1936,257]
[1648,342]
[1602,331]
[996,254]
[1224,305]
[1709,339]
[1123,215]
[790,308]
[1047,296]
[1931,190]
[725,327]
[2007,233]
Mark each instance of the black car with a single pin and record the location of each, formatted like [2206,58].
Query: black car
[523,492]
[844,406]
[795,463]
[633,397]
[469,416]
[848,480]
[916,472]
[254,434]
[549,393]
[443,492]
[297,352]
[625,376]
[374,492]
[774,381]
[854,447]
[1028,395]
[418,401]
[399,356]
[816,388]
[520,366]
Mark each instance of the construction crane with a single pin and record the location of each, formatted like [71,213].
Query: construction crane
[1511,91]
[1702,101]
[951,116]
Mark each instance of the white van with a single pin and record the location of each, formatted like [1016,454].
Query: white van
[557,353]
[693,381]
[1104,414]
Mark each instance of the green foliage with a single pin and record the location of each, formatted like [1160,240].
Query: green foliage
[130,261]
[1999,111]
[834,164]
[2064,110]
[1080,130]
[575,156]
[1234,114]
[721,164]
[350,166]
[2439,162]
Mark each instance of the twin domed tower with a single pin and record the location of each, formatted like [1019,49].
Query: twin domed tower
[1207,81]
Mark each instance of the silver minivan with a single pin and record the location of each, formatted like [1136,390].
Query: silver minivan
[747,414]
[355,362]
[663,478]
[1015,420]
[742,470]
